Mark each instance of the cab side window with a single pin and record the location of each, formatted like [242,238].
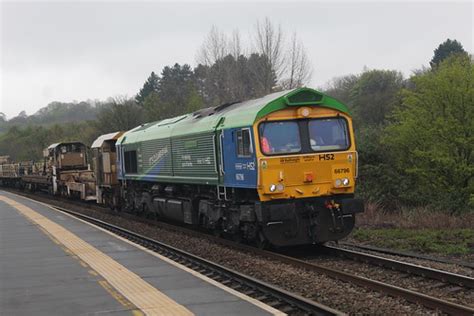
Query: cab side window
[244,144]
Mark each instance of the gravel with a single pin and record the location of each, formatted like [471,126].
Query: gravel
[445,291]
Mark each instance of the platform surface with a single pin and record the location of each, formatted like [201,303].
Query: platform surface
[54,264]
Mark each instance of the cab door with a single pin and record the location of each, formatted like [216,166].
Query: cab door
[239,162]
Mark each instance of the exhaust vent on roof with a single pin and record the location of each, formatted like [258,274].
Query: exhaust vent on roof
[225,105]
[303,97]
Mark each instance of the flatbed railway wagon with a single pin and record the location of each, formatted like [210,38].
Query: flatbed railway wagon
[10,172]
[65,171]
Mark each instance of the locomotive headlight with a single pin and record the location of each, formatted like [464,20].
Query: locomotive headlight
[305,112]
[345,182]
[273,188]
[338,183]
[280,187]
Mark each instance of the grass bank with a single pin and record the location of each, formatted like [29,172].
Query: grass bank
[434,241]
[418,230]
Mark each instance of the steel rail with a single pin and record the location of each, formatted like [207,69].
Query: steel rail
[271,295]
[407,254]
[401,266]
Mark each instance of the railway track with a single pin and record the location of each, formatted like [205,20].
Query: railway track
[409,295]
[405,254]
[425,272]
[273,296]
[387,289]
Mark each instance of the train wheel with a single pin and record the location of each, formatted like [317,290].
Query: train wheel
[262,242]
[217,232]
[237,237]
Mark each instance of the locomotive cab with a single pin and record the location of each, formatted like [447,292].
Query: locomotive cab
[307,169]
[67,155]
[71,174]
[305,156]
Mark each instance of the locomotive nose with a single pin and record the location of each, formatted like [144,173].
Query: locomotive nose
[304,176]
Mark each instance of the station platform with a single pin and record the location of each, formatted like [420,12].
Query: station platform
[54,264]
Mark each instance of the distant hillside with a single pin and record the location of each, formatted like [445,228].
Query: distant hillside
[54,113]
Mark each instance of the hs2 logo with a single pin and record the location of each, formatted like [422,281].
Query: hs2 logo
[326,157]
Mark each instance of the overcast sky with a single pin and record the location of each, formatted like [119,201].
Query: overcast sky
[67,51]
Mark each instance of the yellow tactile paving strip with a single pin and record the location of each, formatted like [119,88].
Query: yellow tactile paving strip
[140,293]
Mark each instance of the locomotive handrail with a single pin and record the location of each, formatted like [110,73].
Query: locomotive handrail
[356,165]
[214,152]
[221,140]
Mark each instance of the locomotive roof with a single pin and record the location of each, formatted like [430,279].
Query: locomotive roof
[52,146]
[237,114]
[102,138]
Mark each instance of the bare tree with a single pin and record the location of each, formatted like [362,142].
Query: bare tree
[235,44]
[272,63]
[214,48]
[299,69]
[269,41]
